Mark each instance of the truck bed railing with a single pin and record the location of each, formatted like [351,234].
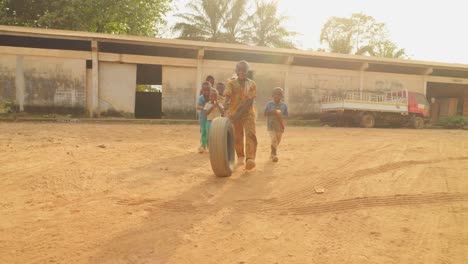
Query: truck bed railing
[398,97]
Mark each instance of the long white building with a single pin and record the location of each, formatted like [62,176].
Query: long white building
[48,71]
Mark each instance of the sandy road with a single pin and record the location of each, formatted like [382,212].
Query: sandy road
[82,193]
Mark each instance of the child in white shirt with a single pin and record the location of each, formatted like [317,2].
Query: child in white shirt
[213,109]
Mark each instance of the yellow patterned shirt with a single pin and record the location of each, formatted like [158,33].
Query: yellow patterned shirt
[240,94]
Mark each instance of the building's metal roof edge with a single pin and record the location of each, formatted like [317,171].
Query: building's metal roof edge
[190,44]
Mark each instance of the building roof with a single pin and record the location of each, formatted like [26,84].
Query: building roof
[308,58]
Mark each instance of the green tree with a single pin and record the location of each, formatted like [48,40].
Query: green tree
[267,27]
[3,12]
[22,12]
[204,22]
[388,49]
[135,17]
[366,32]
[337,35]
[360,34]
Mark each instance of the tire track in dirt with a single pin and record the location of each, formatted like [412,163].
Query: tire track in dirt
[370,202]
[344,163]
[294,202]
[174,205]
[185,206]
[307,192]
[400,164]
[26,169]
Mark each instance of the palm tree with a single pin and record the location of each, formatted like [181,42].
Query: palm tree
[235,25]
[267,27]
[228,21]
[205,22]
[388,49]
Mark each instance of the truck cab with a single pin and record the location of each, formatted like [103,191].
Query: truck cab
[418,105]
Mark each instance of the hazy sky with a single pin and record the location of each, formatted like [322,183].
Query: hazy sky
[432,30]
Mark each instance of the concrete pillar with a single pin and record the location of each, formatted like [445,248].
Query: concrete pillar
[20,83]
[286,85]
[363,68]
[201,54]
[425,86]
[286,79]
[95,79]
[89,91]
[426,73]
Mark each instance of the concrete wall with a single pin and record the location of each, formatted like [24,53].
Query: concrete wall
[308,85]
[41,84]
[179,88]
[222,71]
[374,81]
[267,77]
[117,88]
[54,83]
[7,77]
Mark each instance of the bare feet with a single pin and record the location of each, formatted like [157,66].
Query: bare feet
[250,164]
[201,150]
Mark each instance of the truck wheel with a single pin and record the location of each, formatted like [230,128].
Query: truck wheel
[367,120]
[221,146]
[417,122]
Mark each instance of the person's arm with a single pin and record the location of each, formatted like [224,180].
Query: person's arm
[279,118]
[271,112]
[221,109]
[228,95]
[210,109]
[200,104]
[244,108]
[252,93]
[268,110]
[286,112]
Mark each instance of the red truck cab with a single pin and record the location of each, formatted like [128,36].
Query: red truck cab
[418,105]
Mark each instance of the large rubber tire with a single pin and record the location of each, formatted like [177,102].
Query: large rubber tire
[417,122]
[367,120]
[221,146]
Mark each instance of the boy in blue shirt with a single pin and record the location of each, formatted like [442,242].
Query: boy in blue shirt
[274,112]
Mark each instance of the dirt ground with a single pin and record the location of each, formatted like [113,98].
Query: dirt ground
[114,193]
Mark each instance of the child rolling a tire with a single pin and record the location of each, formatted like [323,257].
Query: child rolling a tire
[240,95]
[213,109]
[274,112]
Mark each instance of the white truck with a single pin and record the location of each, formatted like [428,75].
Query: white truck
[365,109]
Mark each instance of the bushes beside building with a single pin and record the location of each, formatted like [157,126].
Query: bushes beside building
[454,122]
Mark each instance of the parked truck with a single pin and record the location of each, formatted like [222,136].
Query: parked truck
[366,109]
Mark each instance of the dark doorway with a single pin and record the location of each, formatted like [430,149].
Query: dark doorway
[447,99]
[148,105]
[148,99]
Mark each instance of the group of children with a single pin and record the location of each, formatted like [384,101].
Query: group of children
[210,105]
[236,101]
